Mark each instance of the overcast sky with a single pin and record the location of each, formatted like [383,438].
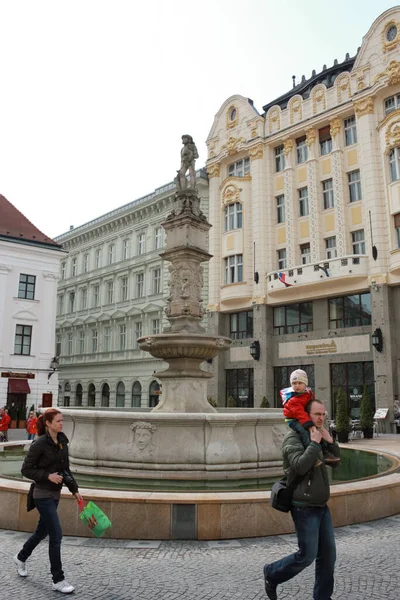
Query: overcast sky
[95,94]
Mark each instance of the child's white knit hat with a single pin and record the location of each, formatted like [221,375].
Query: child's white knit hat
[299,375]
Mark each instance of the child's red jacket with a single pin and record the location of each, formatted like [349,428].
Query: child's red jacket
[294,405]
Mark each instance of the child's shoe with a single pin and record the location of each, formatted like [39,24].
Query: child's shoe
[330,458]
[317,463]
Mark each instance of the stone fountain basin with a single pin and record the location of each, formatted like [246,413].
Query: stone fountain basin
[184,345]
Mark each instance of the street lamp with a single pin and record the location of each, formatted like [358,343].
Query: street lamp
[255,350]
[53,366]
[377,339]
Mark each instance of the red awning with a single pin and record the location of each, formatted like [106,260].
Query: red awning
[18,386]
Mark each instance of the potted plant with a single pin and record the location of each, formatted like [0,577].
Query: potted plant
[265,402]
[342,417]
[231,402]
[366,415]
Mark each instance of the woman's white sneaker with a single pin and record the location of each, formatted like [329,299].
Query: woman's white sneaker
[63,586]
[21,566]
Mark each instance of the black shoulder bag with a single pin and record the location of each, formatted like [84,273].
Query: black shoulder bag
[30,503]
[282,494]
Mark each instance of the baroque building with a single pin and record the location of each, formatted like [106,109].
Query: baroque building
[112,290]
[305,207]
[29,268]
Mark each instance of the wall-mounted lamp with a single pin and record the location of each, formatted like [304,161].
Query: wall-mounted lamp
[256,277]
[377,339]
[53,366]
[375,286]
[255,350]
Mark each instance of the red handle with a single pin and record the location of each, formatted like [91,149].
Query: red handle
[81,504]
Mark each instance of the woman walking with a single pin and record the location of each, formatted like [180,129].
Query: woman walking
[47,464]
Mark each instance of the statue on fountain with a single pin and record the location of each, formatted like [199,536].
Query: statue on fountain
[186,198]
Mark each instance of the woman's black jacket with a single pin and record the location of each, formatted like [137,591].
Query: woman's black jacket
[46,457]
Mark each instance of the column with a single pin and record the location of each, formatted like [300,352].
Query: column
[289,214]
[314,200]
[214,237]
[338,183]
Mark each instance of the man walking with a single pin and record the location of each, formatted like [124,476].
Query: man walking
[310,513]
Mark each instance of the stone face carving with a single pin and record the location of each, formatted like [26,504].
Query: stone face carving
[143,446]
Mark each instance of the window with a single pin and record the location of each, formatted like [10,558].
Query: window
[327,193]
[58,344]
[240,168]
[141,240]
[67,392]
[110,292]
[155,326]
[107,339]
[352,377]
[73,267]
[122,337]
[105,395]
[61,304]
[330,247]
[69,344]
[350,311]
[240,387]
[139,285]
[156,281]
[350,131]
[280,209]
[154,393]
[394,164]
[303,202]
[92,395]
[158,238]
[85,263]
[392,103]
[358,242]
[354,186]
[120,394]
[281,254]
[81,342]
[325,140]
[138,331]
[78,395]
[96,295]
[63,269]
[94,341]
[293,318]
[23,339]
[305,254]
[234,269]
[137,394]
[71,302]
[397,229]
[302,150]
[26,288]
[241,325]
[124,289]
[282,379]
[279,159]
[233,216]
[125,249]
[111,253]
[83,298]
[97,258]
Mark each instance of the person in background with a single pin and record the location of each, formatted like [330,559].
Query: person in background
[31,426]
[47,464]
[5,421]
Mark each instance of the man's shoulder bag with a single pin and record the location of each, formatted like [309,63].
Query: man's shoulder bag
[30,503]
[282,494]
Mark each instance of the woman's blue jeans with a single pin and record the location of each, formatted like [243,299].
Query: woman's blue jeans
[49,524]
[316,542]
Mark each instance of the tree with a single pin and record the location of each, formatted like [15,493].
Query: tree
[265,403]
[342,415]
[366,411]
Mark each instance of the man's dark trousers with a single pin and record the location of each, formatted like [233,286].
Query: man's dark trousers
[316,542]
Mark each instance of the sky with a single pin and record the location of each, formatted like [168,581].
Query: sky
[95,94]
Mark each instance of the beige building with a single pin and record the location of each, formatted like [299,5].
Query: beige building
[111,292]
[305,207]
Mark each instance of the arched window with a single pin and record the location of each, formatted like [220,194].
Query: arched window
[67,394]
[154,393]
[120,394]
[105,395]
[78,395]
[92,395]
[136,394]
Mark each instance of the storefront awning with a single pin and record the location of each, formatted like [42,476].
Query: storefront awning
[18,386]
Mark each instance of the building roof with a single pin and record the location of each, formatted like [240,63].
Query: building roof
[327,76]
[14,226]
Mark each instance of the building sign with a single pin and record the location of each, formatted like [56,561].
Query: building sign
[341,345]
[18,375]
[381,413]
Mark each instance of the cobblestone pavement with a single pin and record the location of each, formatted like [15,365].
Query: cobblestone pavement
[368,567]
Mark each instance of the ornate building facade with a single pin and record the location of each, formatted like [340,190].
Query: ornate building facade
[112,291]
[305,207]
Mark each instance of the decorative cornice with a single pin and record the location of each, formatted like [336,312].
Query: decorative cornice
[392,136]
[275,117]
[287,146]
[214,170]
[318,96]
[50,276]
[231,194]
[336,125]
[5,269]
[256,152]
[295,106]
[311,136]
[342,85]
[392,73]
[395,113]
[232,145]
[233,178]
[364,107]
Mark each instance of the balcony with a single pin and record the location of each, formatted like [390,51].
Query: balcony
[319,279]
